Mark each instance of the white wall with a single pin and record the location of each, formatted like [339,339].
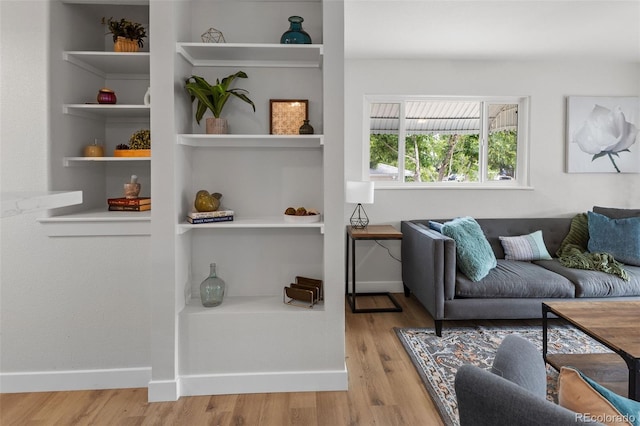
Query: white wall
[554,193]
[74,312]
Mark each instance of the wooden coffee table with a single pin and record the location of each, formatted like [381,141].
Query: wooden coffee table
[615,325]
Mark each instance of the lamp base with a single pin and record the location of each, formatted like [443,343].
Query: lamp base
[359,218]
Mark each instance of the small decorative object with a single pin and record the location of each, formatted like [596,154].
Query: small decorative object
[106,96]
[212,289]
[214,98]
[140,140]
[600,134]
[306,128]
[287,115]
[212,36]
[206,202]
[301,215]
[128,36]
[132,188]
[94,150]
[147,97]
[295,34]
[360,193]
[305,292]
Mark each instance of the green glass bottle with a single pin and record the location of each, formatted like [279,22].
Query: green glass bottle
[212,289]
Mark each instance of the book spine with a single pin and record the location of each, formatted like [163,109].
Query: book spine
[131,208]
[210,219]
[128,202]
[203,215]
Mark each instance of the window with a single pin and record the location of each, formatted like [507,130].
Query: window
[447,140]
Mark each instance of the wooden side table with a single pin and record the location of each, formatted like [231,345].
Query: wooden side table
[371,232]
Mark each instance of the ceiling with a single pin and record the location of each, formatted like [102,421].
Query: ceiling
[485,30]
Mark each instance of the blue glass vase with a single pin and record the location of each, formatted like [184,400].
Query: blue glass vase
[295,34]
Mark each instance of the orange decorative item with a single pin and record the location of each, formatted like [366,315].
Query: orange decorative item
[123,44]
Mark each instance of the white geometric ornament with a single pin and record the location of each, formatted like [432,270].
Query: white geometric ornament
[213,36]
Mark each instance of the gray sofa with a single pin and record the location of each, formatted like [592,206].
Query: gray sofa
[512,393]
[513,289]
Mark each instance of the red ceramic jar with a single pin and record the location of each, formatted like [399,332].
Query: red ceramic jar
[106,96]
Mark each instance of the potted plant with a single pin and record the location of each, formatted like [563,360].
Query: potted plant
[128,36]
[214,97]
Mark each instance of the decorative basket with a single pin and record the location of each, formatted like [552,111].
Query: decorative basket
[123,44]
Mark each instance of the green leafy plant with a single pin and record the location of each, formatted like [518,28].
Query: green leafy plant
[140,140]
[214,97]
[127,29]
[122,146]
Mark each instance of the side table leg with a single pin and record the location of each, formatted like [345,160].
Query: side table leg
[545,324]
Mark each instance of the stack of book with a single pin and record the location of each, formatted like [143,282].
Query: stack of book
[210,217]
[139,204]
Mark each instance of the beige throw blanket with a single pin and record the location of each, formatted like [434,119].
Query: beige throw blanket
[573,251]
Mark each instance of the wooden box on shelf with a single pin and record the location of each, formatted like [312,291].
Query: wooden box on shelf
[132,153]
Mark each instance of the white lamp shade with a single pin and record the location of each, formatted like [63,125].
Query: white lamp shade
[359,192]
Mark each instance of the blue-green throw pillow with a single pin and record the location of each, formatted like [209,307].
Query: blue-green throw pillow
[618,237]
[436,226]
[474,255]
[629,408]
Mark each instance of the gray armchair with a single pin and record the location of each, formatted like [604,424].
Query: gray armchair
[512,393]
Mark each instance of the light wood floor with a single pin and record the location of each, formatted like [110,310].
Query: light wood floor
[384,389]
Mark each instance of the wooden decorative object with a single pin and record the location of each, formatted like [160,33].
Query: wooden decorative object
[132,153]
[305,292]
[287,115]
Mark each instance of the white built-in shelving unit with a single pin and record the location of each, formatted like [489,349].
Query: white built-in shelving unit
[253,342]
[80,66]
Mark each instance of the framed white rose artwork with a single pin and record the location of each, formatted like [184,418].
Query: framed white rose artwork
[602,134]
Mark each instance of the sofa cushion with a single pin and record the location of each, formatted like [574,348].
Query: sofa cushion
[595,283]
[512,278]
[525,247]
[578,393]
[619,237]
[615,213]
[474,256]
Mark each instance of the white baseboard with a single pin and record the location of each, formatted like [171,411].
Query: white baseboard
[163,390]
[53,381]
[297,381]
[378,286]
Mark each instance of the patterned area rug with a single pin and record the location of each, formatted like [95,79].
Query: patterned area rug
[437,358]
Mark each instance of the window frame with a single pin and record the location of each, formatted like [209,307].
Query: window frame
[521,180]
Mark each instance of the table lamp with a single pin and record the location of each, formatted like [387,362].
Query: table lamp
[360,193]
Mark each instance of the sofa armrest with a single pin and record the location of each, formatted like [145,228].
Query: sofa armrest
[428,266]
[485,399]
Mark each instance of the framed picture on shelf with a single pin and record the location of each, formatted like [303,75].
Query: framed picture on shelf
[287,115]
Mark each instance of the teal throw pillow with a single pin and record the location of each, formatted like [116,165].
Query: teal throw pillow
[525,247]
[436,226]
[618,237]
[474,255]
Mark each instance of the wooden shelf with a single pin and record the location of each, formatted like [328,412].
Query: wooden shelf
[251,141]
[255,222]
[98,222]
[113,65]
[252,55]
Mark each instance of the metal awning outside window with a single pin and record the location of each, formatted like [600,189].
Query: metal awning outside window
[441,117]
